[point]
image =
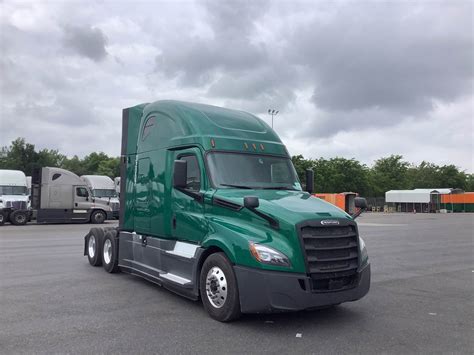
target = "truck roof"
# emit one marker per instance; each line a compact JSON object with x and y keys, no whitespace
{"x":99,"y":181}
{"x":12,"y":178}
{"x":170,"y":123}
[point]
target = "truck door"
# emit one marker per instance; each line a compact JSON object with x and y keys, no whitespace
{"x":81,"y":198}
{"x":81,"y":203}
{"x":187,"y":222}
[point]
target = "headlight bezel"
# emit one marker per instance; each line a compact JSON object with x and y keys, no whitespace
{"x":268,"y":256}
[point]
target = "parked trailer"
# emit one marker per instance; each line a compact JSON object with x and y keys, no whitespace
{"x":14,"y":199}
{"x":60,"y":196}
{"x":103,"y":189}
{"x":212,"y":209}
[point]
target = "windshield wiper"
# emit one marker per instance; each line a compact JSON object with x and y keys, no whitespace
{"x":279,"y":188}
{"x":237,"y":186}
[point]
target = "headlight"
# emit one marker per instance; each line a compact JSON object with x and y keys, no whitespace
{"x":267,"y":255}
{"x":364,"y":257}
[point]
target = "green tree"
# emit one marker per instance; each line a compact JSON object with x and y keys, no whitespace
{"x":450,"y":176}
{"x":389,"y":173}
{"x":19,"y":156}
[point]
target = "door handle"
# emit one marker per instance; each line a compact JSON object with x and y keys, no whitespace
{"x":75,"y":204}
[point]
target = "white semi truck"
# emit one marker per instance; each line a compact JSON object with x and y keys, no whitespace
{"x":14,"y":199}
{"x":103,"y":189}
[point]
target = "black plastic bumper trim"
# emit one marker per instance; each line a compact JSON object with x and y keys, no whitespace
{"x":269,"y":291}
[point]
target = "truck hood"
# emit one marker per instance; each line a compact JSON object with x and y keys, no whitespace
{"x":14,"y":198}
{"x":7,"y":200}
{"x":287,"y":205}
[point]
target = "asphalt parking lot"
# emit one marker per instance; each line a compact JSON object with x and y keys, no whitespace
{"x":421,"y":299}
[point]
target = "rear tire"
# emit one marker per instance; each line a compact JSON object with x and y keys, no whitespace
{"x":94,"y":246}
{"x":98,"y":217}
{"x":110,"y":252}
{"x":19,"y":218}
{"x":218,"y":288}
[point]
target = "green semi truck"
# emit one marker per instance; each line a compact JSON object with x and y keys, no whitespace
{"x":212,"y":209}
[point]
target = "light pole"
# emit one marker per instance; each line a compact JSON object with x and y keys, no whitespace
{"x":273,"y":113}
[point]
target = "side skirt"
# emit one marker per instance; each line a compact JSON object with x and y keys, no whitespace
{"x":168,"y":263}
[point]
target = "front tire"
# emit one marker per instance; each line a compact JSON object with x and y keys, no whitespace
{"x":110,"y":252}
{"x":2,"y":219}
{"x":218,"y":288}
{"x":98,"y":217}
{"x":19,"y":218}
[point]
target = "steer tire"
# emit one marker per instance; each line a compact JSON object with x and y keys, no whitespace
{"x":19,"y":218}
{"x":94,"y":246}
{"x":222,"y":289}
{"x":110,"y":252}
{"x":98,"y":217}
{"x":2,"y":218}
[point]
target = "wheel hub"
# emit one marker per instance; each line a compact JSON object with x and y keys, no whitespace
{"x":216,"y":287}
{"x":107,"y":251}
{"x":91,"y":246}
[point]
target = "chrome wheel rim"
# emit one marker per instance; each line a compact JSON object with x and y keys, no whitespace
{"x":20,"y":218}
{"x":216,"y":287}
{"x":107,"y":251}
{"x":91,"y":246}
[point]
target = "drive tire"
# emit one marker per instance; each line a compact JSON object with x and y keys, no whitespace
{"x":94,"y":246}
{"x":2,"y":218}
{"x":110,"y":252}
{"x":229,"y":307}
{"x":98,"y":217}
{"x":19,"y":218}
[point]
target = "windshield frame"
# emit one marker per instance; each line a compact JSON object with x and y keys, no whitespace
{"x":211,"y":177}
{"x":94,"y":195}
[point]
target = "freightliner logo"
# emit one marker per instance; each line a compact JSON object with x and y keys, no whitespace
{"x":329,"y":222}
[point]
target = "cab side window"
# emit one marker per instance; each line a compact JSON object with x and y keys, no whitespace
{"x":81,"y":192}
{"x":193,"y":177}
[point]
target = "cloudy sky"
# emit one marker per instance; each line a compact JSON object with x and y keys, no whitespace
{"x":354,"y":79}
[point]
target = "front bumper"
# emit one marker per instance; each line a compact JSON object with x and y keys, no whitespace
{"x":268,"y":291}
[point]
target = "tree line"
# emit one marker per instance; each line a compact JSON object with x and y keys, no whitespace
{"x":23,"y":156}
{"x":331,"y":175}
{"x":389,"y":173}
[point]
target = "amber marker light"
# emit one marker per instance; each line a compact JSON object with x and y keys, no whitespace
{"x":246,"y":146}
{"x":262,"y":146}
{"x":254,"y":252}
{"x":254,"y":146}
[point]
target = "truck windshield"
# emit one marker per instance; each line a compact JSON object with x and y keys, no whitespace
{"x":13,"y":190}
{"x":104,"y":193}
{"x":252,"y":171}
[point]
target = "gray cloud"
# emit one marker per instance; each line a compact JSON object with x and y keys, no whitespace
{"x":88,"y":42}
{"x":358,"y":79}
{"x":383,"y":57}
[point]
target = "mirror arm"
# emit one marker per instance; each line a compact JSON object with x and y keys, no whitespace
{"x":198,"y":196}
{"x":358,"y":213}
